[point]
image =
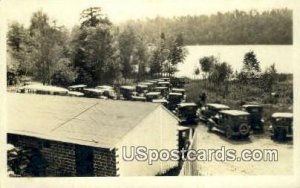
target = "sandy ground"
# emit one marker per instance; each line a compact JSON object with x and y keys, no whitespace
{"x":216,"y":139}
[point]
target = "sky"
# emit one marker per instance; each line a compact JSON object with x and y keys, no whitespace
{"x":67,"y":12}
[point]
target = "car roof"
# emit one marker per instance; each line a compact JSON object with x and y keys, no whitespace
{"x":178,"y":89}
{"x":77,"y":86}
{"x":161,"y":87}
{"x":186,"y":104}
{"x":234,"y":112}
{"x":159,"y":100}
{"x":141,"y":85}
{"x":94,"y":90}
{"x":164,"y":82}
{"x":178,"y":94}
{"x":218,"y":106}
{"x":282,"y":114}
{"x":128,"y":87}
{"x":44,"y":88}
{"x":153,"y":93}
{"x":252,"y":105}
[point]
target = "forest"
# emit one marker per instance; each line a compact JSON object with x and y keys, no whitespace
{"x":98,"y":51}
{"x":237,"y":27}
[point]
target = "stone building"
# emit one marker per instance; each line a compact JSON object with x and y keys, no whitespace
{"x":84,"y":137}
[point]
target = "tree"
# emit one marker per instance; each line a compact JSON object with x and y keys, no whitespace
{"x":93,"y":48}
{"x":141,"y":57}
{"x":64,"y":74}
{"x":127,"y":43}
{"x":177,"y":52}
{"x":269,"y":78}
{"x":250,"y":62}
{"x":220,"y":75}
{"x":207,"y":64}
{"x":92,"y":17}
{"x":196,"y":71}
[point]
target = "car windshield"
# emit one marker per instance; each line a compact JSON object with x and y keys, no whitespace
{"x":242,"y":118}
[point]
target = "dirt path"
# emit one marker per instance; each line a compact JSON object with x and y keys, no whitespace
{"x":216,"y":139}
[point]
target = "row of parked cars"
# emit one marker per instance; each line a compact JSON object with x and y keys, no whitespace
{"x":248,"y":118}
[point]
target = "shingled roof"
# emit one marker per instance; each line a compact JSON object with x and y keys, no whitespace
{"x":93,"y":122}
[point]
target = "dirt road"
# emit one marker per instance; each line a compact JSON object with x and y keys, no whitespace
{"x":216,"y":139}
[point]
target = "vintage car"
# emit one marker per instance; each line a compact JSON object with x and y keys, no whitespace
{"x":211,"y":109}
{"x":179,"y":90}
{"x":281,"y":125}
{"x":187,"y":113}
{"x":164,"y":84}
{"x":165,"y":79}
{"x":232,"y":122}
{"x":177,"y":82}
{"x":174,"y":99}
{"x":138,"y":98}
{"x":141,"y":89}
{"x":75,"y":94}
{"x":108,"y":91}
{"x":94,"y":93}
{"x":152,"y":96}
{"x":164,"y":91}
{"x":161,"y":101}
{"x":149,"y":85}
{"x":256,"y":114}
{"x":127,"y":92}
{"x":79,"y":87}
{"x":43,"y":90}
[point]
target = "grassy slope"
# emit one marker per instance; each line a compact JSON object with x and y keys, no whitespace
{"x":249,"y":94}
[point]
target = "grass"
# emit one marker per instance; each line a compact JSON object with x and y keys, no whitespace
{"x":238,"y":94}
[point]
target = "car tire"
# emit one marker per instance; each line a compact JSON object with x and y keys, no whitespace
{"x":228,"y":132}
{"x":244,"y":130}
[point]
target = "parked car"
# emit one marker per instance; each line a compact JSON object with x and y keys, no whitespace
{"x":161,"y":101}
{"x":165,"y":79}
{"x":127,"y":92}
{"x":232,"y":122}
{"x":174,"y":99}
{"x":281,"y":125}
{"x":256,"y":116}
{"x":138,"y":98}
{"x":211,"y":109}
{"x":108,"y":91}
{"x":149,"y":85}
{"x":141,"y":89}
{"x":153,"y":96}
{"x":75,"y":94}
{"x":43,"y":90}
{"x":79,"y":87}
{"x":177,"y":82}
{"x":94,"y":93}
{"x":187,"y":113}
{"x":164,"y":84}
{"x":164,"y":91}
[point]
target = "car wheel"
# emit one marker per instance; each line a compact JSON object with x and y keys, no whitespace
{"x":228,"y":132}
{"x":244,"y":130}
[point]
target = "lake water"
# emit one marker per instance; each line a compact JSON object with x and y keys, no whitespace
{"x":281,"y":55}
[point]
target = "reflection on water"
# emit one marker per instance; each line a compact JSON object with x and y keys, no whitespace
{"x":281,"y":55}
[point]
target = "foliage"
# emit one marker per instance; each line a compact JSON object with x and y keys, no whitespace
{"x":235,"y":27}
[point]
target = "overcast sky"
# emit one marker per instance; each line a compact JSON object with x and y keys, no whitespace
{"x":67,"y":12}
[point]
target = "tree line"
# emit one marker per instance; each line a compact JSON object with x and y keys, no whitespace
{"x":217,"y":74}
{"x":236,"y":27}
{"x":95,"y":52}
